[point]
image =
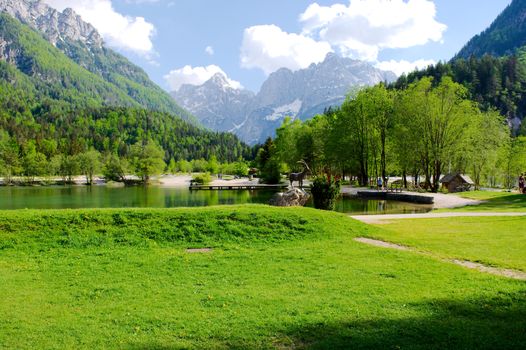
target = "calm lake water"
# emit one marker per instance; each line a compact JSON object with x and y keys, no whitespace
{"x":64,"y":197}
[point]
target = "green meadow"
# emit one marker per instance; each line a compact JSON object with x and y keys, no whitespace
{"x":493,"y":241}
{"x":494,"y":201}
{"x":274,"y":278}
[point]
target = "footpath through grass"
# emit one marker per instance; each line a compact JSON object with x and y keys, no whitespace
{"x":494,"y":241}
{"x":276,"y":278}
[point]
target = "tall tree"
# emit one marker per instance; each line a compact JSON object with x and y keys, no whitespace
{"x":89,"y":164}
{"x":147,"y":159}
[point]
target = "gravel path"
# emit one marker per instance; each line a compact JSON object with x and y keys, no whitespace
{"x":386,"y":219}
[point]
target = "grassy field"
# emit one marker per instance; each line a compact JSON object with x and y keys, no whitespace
{"x":276,"y":278}
{"x":495,"y":241}
{"x":494,"y":201}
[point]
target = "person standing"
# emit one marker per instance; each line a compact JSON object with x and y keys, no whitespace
{"x":521,"y":184}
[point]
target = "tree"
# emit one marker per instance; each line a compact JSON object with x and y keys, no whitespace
{"x":172,"y":166}
{"x":438,"y":118}
{"x":199,"y":165}
{"x":89,"y":164}
{"x":354,"y":131}
{"x":147,"y":159}
{"x":34,"y":163}
{"x":268,"y":163}
{"x":9,"y":157}
{"x":184,"y":166}
{"x":381,"y":108}
{"x":486,"y":135}
{"x":68,"y":167}
{"x":212,"y":166}
{"x":115,"y":168}
{"x":513,"y":161}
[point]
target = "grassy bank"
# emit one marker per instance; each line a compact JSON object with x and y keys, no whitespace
{"x":276,"y":278}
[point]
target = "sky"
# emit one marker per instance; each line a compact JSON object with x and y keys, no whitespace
{"x":188,"y":41}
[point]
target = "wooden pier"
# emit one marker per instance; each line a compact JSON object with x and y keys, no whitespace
{"x":237,"y":187}
{"x":402,"y":197}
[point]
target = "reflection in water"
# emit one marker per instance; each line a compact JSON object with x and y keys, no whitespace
{"x":62,"y":197}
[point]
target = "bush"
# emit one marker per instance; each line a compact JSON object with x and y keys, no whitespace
{"x":202,"y":179}
{"x":270,"y":173}
{"x":325,"y":190}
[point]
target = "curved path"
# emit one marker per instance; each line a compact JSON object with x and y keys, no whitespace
{"x":385,"y":219}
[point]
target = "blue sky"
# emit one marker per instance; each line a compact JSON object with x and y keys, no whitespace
{"x":163,"y":36}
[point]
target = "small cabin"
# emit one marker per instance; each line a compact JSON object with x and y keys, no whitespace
{"x":456,"y":182}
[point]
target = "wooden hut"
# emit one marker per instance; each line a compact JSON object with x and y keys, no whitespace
{"x":456,"y":182}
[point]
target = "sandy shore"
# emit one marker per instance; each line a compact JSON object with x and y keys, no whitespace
{"x":184,"y":181}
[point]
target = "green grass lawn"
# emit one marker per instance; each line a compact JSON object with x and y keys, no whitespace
{"x":485,"y":195}
{"x":493,"y":201}
{"x":276,"y":278}
{"x":496,"y":241}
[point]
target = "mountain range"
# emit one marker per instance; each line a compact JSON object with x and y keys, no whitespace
{"x":116,"y":80}
{"x":299,"y":94}
{"x":62,"y":91}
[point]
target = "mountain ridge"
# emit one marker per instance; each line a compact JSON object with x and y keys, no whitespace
{"x":298,"y":94}
{"x":51,"y":105}
{"x":505,"y":35}
{"x":81,"y":42}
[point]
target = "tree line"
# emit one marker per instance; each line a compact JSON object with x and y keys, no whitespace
{"x":493,"y":82}
{"x":145,"y":159}
{"x":422,"y":131}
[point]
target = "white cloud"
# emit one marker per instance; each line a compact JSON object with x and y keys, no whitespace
{"x":365,"y":27}
{"x":196,"y":76}
{"x":209,"y":50}
{"x":120,"y":31}
{"x":269,"y":48}
{"x":400,"y":67}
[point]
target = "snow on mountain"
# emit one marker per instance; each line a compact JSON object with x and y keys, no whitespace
{"x":301,"y":94}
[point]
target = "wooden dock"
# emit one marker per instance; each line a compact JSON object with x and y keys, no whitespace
{"x":402,"y":197}
{"x":237,"y":187}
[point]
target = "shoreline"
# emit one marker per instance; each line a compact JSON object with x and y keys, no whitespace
{"x":440,"y":200}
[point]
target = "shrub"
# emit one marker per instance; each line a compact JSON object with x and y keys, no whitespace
{"x":325,"y":190}
{"x":271,"y":174}
{"x":202,"y":179}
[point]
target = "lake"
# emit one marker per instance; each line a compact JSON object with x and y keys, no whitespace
{"x":68,"y":197}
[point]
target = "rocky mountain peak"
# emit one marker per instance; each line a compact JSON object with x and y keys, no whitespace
{"x":219,"y":79}
{"x":298,"y":94}
{"x":56,"y":26}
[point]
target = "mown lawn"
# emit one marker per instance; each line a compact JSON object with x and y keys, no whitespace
{"x":276,"y":278}
{"x":495,"y":241}
{"x":494,"y":201}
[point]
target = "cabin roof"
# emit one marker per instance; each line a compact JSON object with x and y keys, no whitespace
{"x":449,"y":177}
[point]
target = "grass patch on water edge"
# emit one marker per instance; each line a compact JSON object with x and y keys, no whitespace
{"x":276,"y":278}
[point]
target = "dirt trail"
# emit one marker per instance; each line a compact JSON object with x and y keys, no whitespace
{"x":515,"y":274}
{"x":386,"y":219}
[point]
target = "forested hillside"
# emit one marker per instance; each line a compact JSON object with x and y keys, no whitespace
{"x":493,"y":82}
{"x":81,"y":43}
{"x":505,"y":35}
{"x":55,"y":106}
